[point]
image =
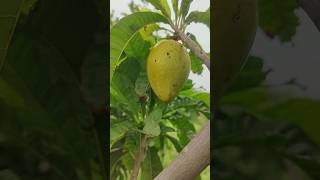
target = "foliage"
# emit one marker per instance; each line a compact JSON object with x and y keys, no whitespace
{"x":257,"y":123}
{"x":52,"y":113}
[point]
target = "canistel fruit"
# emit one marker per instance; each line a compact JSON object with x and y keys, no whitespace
{"x":233,"y":33}
{"x":168,"y":67}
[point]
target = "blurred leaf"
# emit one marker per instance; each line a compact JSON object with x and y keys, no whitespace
{"x":9,"y":14}
{"x":125,"y":29}
{"x":252,"y":75}
{"x":199,"y":17}
{"x":278,"y":18}
{"x":278,"y":107}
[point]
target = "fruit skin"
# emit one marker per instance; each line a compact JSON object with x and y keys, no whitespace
{"x":168,"y":67}
{"x":234,"y":29}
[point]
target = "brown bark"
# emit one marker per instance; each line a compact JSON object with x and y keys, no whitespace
{"x":194,"y":48}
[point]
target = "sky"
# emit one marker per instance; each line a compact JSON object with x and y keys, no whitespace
{"x":199,"y":30}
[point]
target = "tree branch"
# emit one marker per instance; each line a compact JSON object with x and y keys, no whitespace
{"x":192,"y":160}
{"x":312,"y":8}
{"x":194,"y":47}
{"x":139,"y":157}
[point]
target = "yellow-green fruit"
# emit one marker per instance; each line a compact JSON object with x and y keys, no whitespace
{"x":233,"y":33}
{"x":168,"y":67}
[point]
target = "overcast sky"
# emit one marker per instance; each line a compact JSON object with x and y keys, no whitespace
{"x":299,"y":59}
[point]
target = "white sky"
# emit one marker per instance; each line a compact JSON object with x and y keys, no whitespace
{"x":199,"y":30}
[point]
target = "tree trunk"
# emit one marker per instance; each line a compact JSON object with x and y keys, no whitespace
{"x":192,"y":160}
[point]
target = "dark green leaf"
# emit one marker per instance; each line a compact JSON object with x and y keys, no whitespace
{"x":278,"y":18}
{"x":122,"y":32}
{"x":9,"y":14}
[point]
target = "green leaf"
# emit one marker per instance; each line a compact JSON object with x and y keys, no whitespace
{"x":123,"y":85}
{"x":278,"y":18}
{"x":185,"y":5}
{"x":161,"y":5}
{"x":278,"y":106}
{"x":138,"y":49}
{"x":197,"y":95}
{"x":252,"y":75}
{"x":122,"y":32}
{"x":146,"y":169}
{"x":196,"y":64}
{"x":147,"y":31}
{"x":199,"y":17}
{"x":118,"y":131}
{"x":142,"y":84}
{"x":9,"y":15}
{"x":175,"y":5}
{"x":152,"y":127}
{"x":175,"y":143}
{"x":151,"y":166}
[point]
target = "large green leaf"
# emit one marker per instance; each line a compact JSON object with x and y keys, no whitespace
{"x":122,"y":32}
{"x":9,"y":14}
{"x":199,"y":17}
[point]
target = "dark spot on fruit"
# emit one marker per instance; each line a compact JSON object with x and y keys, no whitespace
{"x":168,"y":53}
{"x":155,"y":60}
